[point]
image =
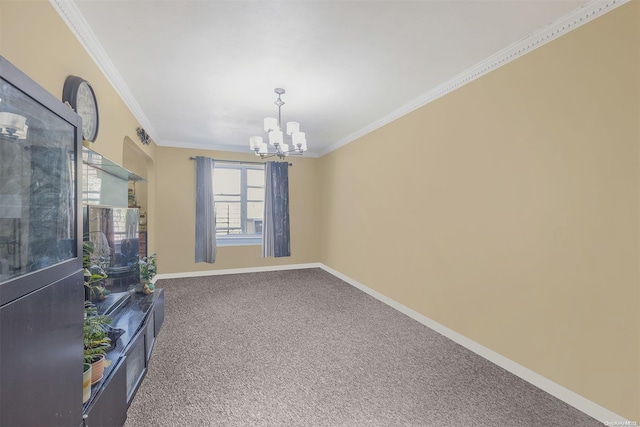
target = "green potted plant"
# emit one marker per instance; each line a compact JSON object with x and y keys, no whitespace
{"x":94,"y":274}
{"x":96,"y":341}
{"x":148,"y":268}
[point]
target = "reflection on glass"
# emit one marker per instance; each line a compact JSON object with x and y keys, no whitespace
{"x":135,"y":367}
{"x":37,"y":193}
{"x":104,"y":182}
{"x":114,"y":233}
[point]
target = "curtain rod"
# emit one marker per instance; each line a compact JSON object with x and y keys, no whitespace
{"x":238,"y":161}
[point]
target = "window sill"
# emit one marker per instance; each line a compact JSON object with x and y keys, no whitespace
{"x":238,"y":241}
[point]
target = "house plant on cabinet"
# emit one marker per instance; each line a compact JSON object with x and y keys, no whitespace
{"x":94,"y":273}
{"x":96,"y":341}
{"x":148,"y":269}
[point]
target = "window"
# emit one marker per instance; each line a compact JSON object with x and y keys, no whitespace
{"x":239,"y":198}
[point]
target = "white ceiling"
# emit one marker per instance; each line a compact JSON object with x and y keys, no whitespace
{"x":201,"y":74}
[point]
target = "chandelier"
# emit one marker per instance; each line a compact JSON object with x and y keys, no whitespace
{"x":293,"y":142}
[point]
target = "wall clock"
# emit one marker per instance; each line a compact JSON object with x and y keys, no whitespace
{"x":79,"y":94}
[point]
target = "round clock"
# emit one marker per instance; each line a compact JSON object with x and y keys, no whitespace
{"x":79,"y":94}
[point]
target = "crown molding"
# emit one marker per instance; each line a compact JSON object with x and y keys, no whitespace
{"x":573,"y":20}
{"x":71,"y":15}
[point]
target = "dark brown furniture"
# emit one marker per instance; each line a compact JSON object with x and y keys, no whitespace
{"x":141,"y":317}
{"x":41,"y":280}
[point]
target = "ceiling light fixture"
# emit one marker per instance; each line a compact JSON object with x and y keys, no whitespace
{"x":296,"y":140}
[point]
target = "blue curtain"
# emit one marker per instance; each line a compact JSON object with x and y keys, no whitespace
{"x":275,"y":233}
{"x":205,"y":211}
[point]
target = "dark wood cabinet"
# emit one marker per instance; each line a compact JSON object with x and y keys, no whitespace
{"x":41,"y":277}
{"x":110,"y":406}
{"x":41,"y":356}
{"x":141,"y":317}
{"x":136,"y":364}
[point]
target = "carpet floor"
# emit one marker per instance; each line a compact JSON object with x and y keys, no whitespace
{"x":304,"y":348}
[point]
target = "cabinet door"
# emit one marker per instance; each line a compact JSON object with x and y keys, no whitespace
{"x":41,"y":354}
{"x":136,"y":364}
{"x":110,"y":407}
{"x":40,"y":186}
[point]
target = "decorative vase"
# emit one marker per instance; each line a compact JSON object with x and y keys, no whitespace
{"x":86,"y":382}
{"x":97,"y":369}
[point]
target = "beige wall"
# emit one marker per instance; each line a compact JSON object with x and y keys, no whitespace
{"x":510,"y":211}
{"x":176,"y":214}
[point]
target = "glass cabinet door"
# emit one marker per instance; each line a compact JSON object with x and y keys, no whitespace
{"x":37,"y":191}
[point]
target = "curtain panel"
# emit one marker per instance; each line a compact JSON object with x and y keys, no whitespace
{"x":275,"y":233}
{"x":205,"y":211}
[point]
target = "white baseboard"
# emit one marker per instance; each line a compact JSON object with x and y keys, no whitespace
{"x":590,"y":408}
{"x":237,"y":271}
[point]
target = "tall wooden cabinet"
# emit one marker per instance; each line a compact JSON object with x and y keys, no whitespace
{"x":41,"y":279}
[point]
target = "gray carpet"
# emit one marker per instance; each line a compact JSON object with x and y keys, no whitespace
{"x":303,"y":348}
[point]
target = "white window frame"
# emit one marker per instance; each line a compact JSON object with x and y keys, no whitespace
{"x":240,"y":239}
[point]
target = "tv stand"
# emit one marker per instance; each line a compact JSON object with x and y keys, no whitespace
{"x":140,"y":316}
{"x":112,"y":303}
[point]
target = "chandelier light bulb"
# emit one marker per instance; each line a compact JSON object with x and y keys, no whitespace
{"x":275,"y":137}
{"x":293,"y":127}
{"x":270,"y":123}
{"x":255,"y":142}
{"x":298,"y":139}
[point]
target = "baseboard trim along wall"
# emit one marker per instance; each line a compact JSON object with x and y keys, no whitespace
{"x":571,"y":398}
{"x":237,"y":271}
